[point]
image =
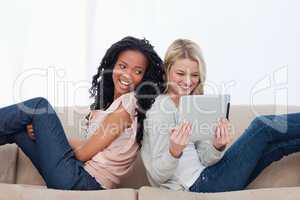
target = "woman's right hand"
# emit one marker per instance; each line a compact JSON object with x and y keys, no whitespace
{"x":179,"y":138}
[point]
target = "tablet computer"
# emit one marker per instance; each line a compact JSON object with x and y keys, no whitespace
{"x":204,"y":112}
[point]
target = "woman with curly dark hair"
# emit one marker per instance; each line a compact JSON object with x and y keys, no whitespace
{"x":128,"y":79}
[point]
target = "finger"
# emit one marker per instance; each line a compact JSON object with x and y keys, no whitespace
{"x":227,"y":136}
{"x":181,"y":129}
{"x":217,"y":133}
{"x":31,"y":135}
{"x":185,"y":128}
{"x":188,"y":129}
{"x":188,"y":135}
{"x":174,"y":130}
{"x":181,"y":133}
{"x":185,"y":132}
{"x":227,"y":133}
{"x":224,"y":122}
{"x":173,"y":133}
{"x":223,"y":134}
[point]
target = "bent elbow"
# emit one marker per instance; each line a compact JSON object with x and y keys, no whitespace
{"x":81,"y":156}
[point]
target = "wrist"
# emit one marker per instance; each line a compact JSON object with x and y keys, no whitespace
{"x":221,"y":148}
{"x":176,"y":155}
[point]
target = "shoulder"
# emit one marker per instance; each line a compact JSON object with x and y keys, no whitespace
{"x":162,"y":110}
{"x":128,"y":98}
{"x":128,"y":102}
{"x":163,"y":104}
{"x":128,"y":95}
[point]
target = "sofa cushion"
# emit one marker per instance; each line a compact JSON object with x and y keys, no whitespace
{"x":283,"y":173}
{"x":137,"y":177}
{"x":8,"y":158}
{"x":149,"y":193}
{"x":26,"y":172}
{"x":23,"y":192}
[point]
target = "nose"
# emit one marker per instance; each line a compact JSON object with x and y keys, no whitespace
{"x":127,"y":74}
{"x":188,"y":81}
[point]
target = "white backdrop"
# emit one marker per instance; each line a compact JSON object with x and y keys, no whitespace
{"x":52,"y":48}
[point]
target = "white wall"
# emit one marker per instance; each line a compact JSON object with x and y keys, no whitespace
{"x":43,"y":51}
{"x":251,"y":47}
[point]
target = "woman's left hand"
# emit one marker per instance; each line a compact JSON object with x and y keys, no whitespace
{"x":30,"y":131}
{"x":222,"y":135}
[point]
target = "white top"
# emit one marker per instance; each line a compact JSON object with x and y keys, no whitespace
{"x":163,"y":170}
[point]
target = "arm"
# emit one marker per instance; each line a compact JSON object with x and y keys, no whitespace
{"x":207,"y":153}
{"x":210,"y":152}
{"x":165,"y":149}
{"x":163,"y":164}
{"x":111,"y":127}
{"x":75,"y":142}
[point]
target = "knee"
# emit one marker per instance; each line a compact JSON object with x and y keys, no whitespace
{"x":41,"y":100}
{"x":261,"y":124}
{"x":37,"y":101}
{"x":40,"y":105}
{"x":262,"y":120}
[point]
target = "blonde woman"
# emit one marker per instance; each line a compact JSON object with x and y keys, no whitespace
{"x":174,"y":161}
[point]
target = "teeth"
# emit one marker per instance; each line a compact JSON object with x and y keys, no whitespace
{"x":186,"y":88}
{"x":124,"y":83}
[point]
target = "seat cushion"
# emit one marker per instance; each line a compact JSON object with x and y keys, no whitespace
{"x":26,"y":192}
{"x":283,"y":173}
{"x":292,"y":193}
{"x":8,"y":159}
{"x":26,"y":172}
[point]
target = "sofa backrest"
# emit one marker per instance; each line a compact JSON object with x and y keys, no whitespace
{"x":240,"y":117}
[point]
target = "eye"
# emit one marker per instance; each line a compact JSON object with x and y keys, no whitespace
{"x":137,"y":72}
{"x":122,"y":66}
{"x":180,"y":73}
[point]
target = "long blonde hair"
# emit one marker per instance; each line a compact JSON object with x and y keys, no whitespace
{"x":185,"y":49}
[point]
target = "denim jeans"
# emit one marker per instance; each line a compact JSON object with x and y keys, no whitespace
{"x":50,"y":152}
{"x":267,"y":139}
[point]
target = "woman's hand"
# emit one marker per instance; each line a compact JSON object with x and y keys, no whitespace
{"x":30,"y":131}
{"x":222,"y":135}
{"x":179,"y":138}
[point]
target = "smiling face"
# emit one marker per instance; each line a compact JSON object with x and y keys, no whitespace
{"x":183,"y":77}
{"x":128,"y":71}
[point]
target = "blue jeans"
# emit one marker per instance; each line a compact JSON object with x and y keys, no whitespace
{"x":50,"y":152}
{"x":267,"y":139}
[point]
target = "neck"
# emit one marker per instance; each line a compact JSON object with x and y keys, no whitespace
{"x":175,"y":98}
{"x":116,"y":95}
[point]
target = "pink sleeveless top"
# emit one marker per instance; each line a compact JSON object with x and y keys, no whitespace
{"x":116,"y":160}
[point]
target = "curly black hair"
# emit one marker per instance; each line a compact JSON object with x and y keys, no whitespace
{"x":151,"y":86}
